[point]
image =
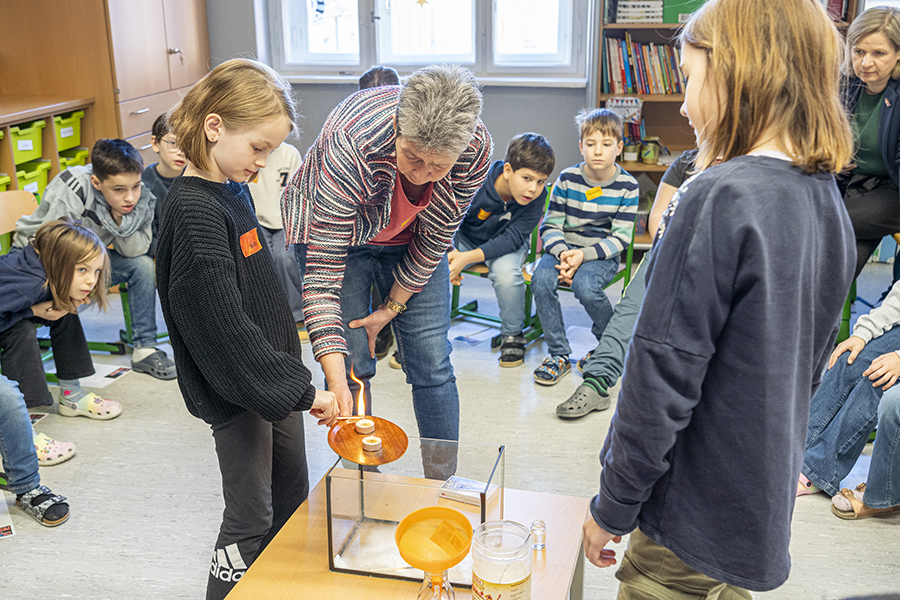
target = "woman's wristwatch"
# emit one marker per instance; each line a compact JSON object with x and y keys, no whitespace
{"x":394,"y":305}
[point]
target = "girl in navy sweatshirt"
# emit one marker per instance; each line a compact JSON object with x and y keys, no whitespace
{"x":63,"y":267}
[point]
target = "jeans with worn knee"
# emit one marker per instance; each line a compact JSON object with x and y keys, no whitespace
{"x":421,"y":336}
{"x":505,"y":273}
{"x":20,"y":460}
{"x":843,"y":413}
{"x":139,"y":272}
{"x":590,"y":279}
{"x":608,"y":360}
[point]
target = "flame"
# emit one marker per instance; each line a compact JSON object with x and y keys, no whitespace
{"x":360,"y":400}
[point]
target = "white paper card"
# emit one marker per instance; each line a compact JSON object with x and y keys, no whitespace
{"x":6,"y":526}
{"x":32,"y":187}
{"x":66,"y":132}
{"x":103,"y":375}
{"x":25,"y":145}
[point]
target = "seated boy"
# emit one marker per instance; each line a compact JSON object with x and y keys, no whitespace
{"x":588,"y":224}
{"x":266,"y":190}
{"x":107,"y":196}
{"x":497,"y":230}
{"x":159,"y":176}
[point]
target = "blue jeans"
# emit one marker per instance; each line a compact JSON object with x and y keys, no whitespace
{"x":608,"y":360}
{"x":139,"y":272}
{"x":20,"y":461}
{"x":590,"y":279}
{"x":421,"y":336}
{"x":505,"y":273}
{"x":844,"y":411}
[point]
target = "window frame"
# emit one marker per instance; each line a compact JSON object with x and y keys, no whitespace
{"x":575,"y":74}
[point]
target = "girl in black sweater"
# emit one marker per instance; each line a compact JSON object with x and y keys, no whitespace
{"x":229,"y":322}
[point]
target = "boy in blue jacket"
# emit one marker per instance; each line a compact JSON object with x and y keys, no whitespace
{"x":497,"y":228}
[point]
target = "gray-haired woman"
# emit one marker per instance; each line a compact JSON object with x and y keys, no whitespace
{"x":379,"y":197}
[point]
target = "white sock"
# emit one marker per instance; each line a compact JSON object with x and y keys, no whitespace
{"x":142,"y":353}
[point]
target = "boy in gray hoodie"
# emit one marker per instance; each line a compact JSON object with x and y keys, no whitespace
{"x":108,"y":197}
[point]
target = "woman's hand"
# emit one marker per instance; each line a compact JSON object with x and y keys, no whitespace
{"x":884,"y":371}
{"x":336,"y":377}
{"x":374,"y":323}
{"x":853,"y":343}
{"x":44,"y":310}
{"x":325,"y":408}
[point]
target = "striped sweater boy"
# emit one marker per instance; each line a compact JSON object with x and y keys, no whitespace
{"x":595,"y":216}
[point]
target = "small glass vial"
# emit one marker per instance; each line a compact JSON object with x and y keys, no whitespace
{"x":538,"y":534}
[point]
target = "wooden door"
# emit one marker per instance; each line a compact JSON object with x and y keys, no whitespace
{"x":138,"y":34}
{"x":187,"y":41}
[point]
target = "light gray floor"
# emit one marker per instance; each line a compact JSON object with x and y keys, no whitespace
{"x":146,"y":502}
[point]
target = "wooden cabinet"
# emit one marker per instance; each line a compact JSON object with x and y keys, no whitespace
{"x":134,"y":57}
{"x":660,"y":112}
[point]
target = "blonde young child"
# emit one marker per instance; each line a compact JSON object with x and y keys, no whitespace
{"x":235,"y":339}
{"x":63,"y":267}
{"x":744,"y":287}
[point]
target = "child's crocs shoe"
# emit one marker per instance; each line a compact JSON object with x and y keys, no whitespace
{"x":91,"y":406}
{"x":805,"y":486}
{"x":157,"y":364}
{"x":44,"y":506}
{"x":52,"y":452}
{"x":552,"y":370}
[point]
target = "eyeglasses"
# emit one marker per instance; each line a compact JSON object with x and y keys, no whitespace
{"x":170,"y":144}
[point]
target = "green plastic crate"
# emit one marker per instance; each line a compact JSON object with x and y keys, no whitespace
{"x":4,"y":182}
{"x":26,"y":141}
{"x":32,"y":176}
{"x":76,"y":157}
{"x":5,"y":243}
{"x":679,"y":11}
{"x":68,"y":130}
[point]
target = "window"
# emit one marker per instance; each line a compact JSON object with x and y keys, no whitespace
{"x":867,"y":4}
{"x":500,"y":40}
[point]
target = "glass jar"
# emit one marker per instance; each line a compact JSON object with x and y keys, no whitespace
{"x":501,"y":561}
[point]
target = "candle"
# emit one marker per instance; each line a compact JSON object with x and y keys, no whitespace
{"x":371,"y":443}
{"x":365,"y":426}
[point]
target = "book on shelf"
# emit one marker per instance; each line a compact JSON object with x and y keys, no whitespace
{"x":467,"y":490}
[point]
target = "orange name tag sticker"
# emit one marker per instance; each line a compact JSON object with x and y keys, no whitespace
{"x":483,"y":214}
{"x":594,"y":192}
{"x":250,"y":243}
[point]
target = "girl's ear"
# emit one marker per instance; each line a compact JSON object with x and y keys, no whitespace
{"x":212,"y":127}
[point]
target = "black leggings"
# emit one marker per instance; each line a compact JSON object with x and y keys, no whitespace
{"x":20,"y":356}
{"x":874,"y":213}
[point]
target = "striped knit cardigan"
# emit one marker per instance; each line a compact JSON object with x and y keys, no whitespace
{"x":341,"y":197}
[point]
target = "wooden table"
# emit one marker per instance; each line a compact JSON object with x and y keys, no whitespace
{"x":294,"y":566}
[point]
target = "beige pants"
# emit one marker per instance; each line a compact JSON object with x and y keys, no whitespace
{"x":652,"y":572}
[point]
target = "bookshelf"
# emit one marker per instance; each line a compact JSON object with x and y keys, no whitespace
{"x":661,"y":112}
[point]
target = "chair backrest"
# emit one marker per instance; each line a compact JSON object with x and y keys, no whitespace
{"x":13,"y":205}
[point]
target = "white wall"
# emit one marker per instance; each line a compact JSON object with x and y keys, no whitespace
{"x":237,"y":29}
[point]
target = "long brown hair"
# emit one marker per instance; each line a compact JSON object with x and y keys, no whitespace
{"x":62,"y":245}
{"x":777,"y":62}
{"x":242,"y":92}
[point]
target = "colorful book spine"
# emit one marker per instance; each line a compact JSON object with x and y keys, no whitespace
{"x":629,"y":89}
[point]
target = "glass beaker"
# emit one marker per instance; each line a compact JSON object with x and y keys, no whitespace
{"x":501,"y":561}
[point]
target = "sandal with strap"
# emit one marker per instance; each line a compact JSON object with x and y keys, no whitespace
{"x":44,"y":506}
{"x":583,"y":360}
{"x":805,"y":486}
{"x":552,"y":370}
{"x":848,"y":505}
{"x":91,"y":406}
{"x":157,"y":365}
{"x":52,"y":452}
{"x":512,"y":350}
